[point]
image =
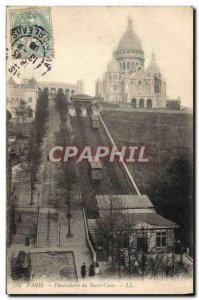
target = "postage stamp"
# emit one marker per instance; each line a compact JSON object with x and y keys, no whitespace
{"x":31,"y":33}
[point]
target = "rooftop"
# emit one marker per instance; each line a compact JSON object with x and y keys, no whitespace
{"x":123,"y":201}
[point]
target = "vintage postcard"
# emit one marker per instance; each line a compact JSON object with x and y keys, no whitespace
{"x":99,"y":106}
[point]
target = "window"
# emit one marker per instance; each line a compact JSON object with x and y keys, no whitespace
{"x":115,"y":87}
{"x":149,"y":103}
{"x":124,"y":66}
{"x":121,"y":66}
{"x":30,"y":99}
{"x":132,"y":65}
{"x":12,"y":101}
{"x":109,"y":77}
{"x":141,"y":103}
{"x":139,"y":82}
{"x":133,"y":102}
{"x":128,"y":65}
{"x":161,"y":239}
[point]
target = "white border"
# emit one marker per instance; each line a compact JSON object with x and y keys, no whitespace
{"x":3,"y":4}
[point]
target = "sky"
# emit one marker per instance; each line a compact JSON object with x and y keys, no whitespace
{"x":84,"y":39}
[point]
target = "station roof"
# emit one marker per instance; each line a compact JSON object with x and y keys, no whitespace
{"x":150,"y":218}
{"x":123,"y":201}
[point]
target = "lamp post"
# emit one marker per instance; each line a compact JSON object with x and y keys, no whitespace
{"x":69,"y":234}
{"x":58,"y":168}
{"x":38,"y":201}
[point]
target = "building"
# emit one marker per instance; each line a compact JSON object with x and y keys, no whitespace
{"x":127,"y":80}
{"x":133,"y":221}
{"x":174,"y":104}
{"x":67,"y":89}
{"x":26,"y":91}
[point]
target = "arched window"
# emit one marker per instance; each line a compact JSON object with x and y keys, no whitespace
{"x":141,"y":103}
{"x":139,"y":69}
{"x":121,"y":66}
{"x":139,"y":82}
{"x":12,"y":101}
{"x":109,"y":77}
{"x":128,"y":65}
{"x":149,"y":103}
{"x":133,"y":102}
{"x":124,"y":66}
{"x":30,"y":99}
{"x":53,"y":91}
{"x":132,"y":66}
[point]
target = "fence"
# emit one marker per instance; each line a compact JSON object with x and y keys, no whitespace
{"x":92,"y":251}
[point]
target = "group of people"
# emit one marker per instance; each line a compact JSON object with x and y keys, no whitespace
{"x":92,"y":270}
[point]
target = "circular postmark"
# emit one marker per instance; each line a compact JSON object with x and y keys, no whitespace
{"x":31,"y":34}
{"x":31,"y":42}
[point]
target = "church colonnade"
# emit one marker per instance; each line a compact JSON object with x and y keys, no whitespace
{"x":141,"y":103}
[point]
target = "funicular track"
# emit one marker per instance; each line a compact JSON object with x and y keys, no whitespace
{"x":111,"y":183}
{"x":120,"y":180}
{"x":89,"y":138}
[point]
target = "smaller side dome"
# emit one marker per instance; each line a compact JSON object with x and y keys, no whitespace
{"x":153,"y":67}
{"x":113,"y":66}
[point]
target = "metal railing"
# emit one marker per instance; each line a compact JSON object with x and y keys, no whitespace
{"x":90,"y":246}
{"x":37,"y":242}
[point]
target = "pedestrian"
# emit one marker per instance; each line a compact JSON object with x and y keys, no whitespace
{"x":97,"y":269}
{"x":83,"y":270}
{"x":92,"y":270}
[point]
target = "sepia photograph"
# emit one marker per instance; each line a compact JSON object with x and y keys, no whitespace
{"x":99,"y":150}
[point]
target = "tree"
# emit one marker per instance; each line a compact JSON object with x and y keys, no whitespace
{"x":67,"y":169}
{"x":24,"y":111}
{"x":8,"y":116}
{"x":173,"y":196}
{"x":110,"y":216}
{"x":33,"y":156}
{"x":61,"y":106}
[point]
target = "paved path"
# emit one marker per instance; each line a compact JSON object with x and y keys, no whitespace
{"x":77,"y":243}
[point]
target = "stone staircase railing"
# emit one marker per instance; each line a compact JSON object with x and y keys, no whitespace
{"x":90,"y":246}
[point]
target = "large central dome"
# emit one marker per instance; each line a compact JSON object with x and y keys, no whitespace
{"x":129,"y":40}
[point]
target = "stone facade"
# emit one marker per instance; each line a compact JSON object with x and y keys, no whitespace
{"x":26,"y":92}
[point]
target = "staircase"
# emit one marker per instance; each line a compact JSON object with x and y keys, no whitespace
{"x":48,"y":229}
